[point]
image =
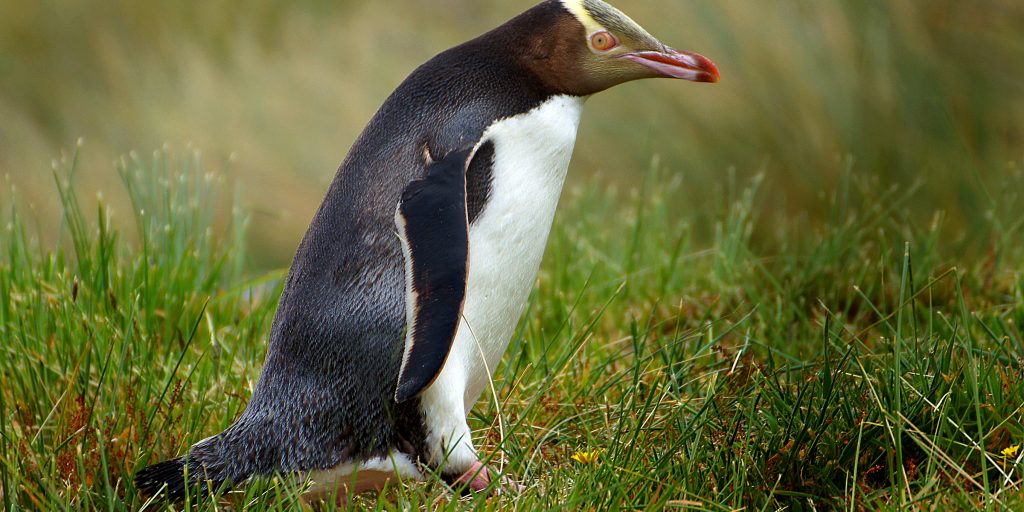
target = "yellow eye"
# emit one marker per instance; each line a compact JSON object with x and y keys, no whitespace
{"x":603,"y":41}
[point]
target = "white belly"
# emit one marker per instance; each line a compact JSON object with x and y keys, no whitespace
{"x":507,"y":240}
{"x":506,"y":244}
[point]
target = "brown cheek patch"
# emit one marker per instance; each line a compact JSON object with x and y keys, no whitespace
{"x":557,"y":56}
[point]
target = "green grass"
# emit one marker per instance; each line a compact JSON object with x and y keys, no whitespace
{"x":712,"y":360}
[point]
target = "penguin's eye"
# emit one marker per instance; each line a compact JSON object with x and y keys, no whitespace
{"x":603,"y":41}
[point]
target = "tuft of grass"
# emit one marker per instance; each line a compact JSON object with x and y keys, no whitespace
{"x":672,"y":356}
{"x":116,"y":352}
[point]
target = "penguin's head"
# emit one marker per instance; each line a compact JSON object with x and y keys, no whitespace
{"x":594,"y":46}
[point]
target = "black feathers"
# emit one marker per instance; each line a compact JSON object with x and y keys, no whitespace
{"x":478,"y":180}
{"x":167,"y":477}
{"x":171,"y":479}
{"x":433,"y":225}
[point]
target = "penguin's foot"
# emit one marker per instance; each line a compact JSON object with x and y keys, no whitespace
{"x":475,"y":479}
{"x":478,"y":478}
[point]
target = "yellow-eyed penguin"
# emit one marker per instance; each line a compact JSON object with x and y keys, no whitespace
{"x":406,"y":289}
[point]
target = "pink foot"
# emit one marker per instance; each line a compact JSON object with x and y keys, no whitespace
{"x":478,"y":477}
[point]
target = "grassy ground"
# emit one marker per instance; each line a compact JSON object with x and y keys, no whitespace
{"x":668,"y":358}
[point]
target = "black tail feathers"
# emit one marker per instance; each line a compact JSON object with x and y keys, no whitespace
{"x":167,"y":477}
{"x":171,"y":479}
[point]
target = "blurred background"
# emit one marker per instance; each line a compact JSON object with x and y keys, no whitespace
{"x":927,"y":92}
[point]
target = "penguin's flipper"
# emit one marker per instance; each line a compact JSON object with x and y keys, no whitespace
{"x":434,"y":228}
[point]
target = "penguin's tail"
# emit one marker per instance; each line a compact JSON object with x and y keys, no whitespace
{"x":172,"y":479}
{"x":167,"y":477}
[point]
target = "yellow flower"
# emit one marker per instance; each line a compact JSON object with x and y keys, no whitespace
{"x":587,"y":457}
{"x":1010,"y":451}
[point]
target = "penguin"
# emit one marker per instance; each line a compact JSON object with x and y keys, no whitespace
{"x":410,"y":280}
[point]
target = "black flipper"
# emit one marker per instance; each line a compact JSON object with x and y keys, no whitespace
{"x":434,"y":229}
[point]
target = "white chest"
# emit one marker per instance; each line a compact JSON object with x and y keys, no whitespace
{"x":506,"y":243}
{"x":507,"y":240}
